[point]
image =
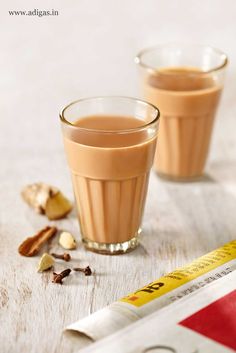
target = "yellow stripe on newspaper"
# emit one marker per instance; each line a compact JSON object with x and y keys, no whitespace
{"x":183,"y":275}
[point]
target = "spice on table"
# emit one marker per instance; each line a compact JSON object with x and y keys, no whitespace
{"x":67,"y":241}
{"x":32,"y":245}
{"x":65,"y":256}
{"x":58,"y":277}
{"x":45,"y":263}
{"x":87,"y":270}
{"x":46,"y":199}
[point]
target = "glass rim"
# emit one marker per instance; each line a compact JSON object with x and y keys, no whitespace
{"x":121,"y":131}
{"x":138,"y":59}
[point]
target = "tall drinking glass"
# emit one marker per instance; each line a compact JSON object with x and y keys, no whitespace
{"x":110,"y":144}
{"x":185,"y":82}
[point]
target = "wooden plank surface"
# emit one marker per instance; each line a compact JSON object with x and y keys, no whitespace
{"x":43,"y":68}
{"x":182,"y":222}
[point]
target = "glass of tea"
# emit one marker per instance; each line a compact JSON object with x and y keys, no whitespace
{"x":185,"y":82}
{"x":110,"y":144}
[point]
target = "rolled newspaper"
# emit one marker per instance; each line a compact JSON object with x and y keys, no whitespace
{"x":202,"y":322}
{"x":159,"y":293}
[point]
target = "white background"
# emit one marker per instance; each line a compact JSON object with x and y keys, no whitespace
{"x":89,"y":50}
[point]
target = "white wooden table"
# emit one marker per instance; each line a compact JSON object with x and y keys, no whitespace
{"x":47,"y":62}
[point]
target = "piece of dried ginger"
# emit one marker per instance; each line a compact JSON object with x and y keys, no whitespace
{"x":32,"y":245}
{"x":47,"y":199}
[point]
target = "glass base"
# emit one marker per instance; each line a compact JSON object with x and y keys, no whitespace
{"x":180,"y":179}
{"x":112,"y":248}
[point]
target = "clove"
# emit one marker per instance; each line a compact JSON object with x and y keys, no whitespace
{"x":65,"y":256}
{"x":87,"y":270}
{"x":58,"y":277}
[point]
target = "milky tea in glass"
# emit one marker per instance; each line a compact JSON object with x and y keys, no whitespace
{"x":110,"y":144}
{"x":185,"y":82}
